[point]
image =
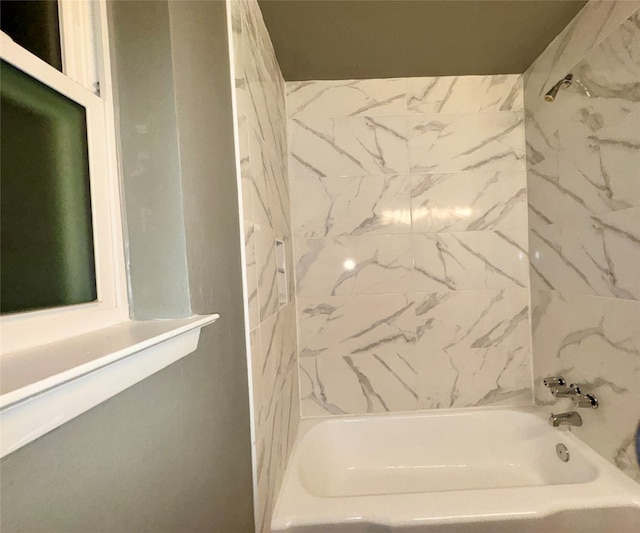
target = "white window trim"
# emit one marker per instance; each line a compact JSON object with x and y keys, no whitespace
{"x":75,"y":375}
{"x":25,"y":330}
{"x":79,"y":25}
{"x":93,"y":351}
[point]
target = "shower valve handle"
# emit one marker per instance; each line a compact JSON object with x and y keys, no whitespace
{"x":554,"y":381}
{"x":585,"y":400}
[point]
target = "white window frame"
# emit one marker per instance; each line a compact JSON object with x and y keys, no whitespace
{"x":78,"y":41}
{"x":83,"y":27}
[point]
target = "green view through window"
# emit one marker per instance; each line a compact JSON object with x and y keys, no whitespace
{"x":47,"y":256}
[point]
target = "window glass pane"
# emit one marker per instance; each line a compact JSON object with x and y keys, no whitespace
{"x":34,"y":25}
{"x":47,"y":255}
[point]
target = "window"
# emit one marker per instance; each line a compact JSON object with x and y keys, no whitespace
{"x":47,"y":255}
{"x":35,"y":26}
{"x":62,"y":255}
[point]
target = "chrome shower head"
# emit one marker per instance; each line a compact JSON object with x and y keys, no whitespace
{"x":564,"y":82}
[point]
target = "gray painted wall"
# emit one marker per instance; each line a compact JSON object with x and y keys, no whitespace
{"x":173,"y":452}
{"x":170,"y":454}
{"x":366,"y":39}
{"x":205,"y":125}
{"x":149,"y":159}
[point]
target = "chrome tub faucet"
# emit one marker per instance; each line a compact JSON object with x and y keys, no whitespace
{"x":565,"y":419}
{"x":558,"y":387}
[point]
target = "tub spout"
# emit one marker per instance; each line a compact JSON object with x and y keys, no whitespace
{"x":565,"y":419}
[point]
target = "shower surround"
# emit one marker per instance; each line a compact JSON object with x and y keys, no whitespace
{"x":262,"y":141}
{"x":406,"y":204}
{"x":583,"y":157}
{"x":410,"y":238}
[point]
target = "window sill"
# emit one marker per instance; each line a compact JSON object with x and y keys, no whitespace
{"x":41,"y":389}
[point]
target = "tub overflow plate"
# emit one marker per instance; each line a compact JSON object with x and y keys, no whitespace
{"x":562,"y":452}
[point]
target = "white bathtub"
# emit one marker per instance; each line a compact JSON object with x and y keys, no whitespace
{"x":490,"y":470}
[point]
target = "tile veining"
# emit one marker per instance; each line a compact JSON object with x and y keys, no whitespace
{"x":467,"y":142}
{"x":353,"y":146}
{"x":468,"y":201}
{"x":410,"y":194}
{"x":261,"y":126}
{"x":583,"y":177}
{"x":371,"y":205}
{"x":464,"y":94}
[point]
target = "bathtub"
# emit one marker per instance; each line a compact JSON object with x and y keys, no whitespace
{"x":464,"y":471}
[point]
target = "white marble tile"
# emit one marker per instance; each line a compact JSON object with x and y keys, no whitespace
{"x":278,"y":359}
{"x":279,"y":199}
{"x":473,"y":319}
{"x":374,"y":205}
{"x":262,"y":148}
{"x":358,"y":384}
{"x":293,"y":390}
{"x":591,"y":26}
{"x":248,"y":220}
{"x":352,"y":146}
{"x":542,"y":257}
{"x":610,"y":429}
{"x":607,"y":251}
{"x":542,"y":132}
{"x":270,"y":465}
{"x":549,"y":198}
{"x":252,"y":281}
{"x":605,"y":87}
{"x":585,"y":223}
{"x":474,"y":348}
{"x":595,"y":125}
{"x":265,"y":498}
{"x":258,"y":168}
{"x":467,"y":142}
{"x":256,"y":375}
{"x":598,"y":255}
{"x":278,"y":409}
{"x":280,"y":350}
{"x":595,"y":342}
{"x":290,"y":268}
{"x":266,"y":271}
{"x":471,"y":260}
{"x":582,"y":116}
{"x":468,"y":201}
{"x":602,"y":171}
{"x":264,"y":79}
{"x":337,"y":326}
{"x":356,"y":346}
{"x":464,"y":94}
{"x":342,"y":98}
{"x":549,"y":268}
{"x":244,"y":154}
{"x":270,"y":186}
{"x":472,"y":345}
{"x":278,"y":182}
{"x":599,"y":335}
{"x":596,"y":175}
{"x":354,"y":265}
{"x":237,"y":42}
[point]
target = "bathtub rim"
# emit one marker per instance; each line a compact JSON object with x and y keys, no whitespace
{"x":611,"y":489}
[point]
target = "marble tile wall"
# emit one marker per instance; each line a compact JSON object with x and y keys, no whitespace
{"x":410,"y":240}
{"x":261,"y":124}
{"x":583,"y":172}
